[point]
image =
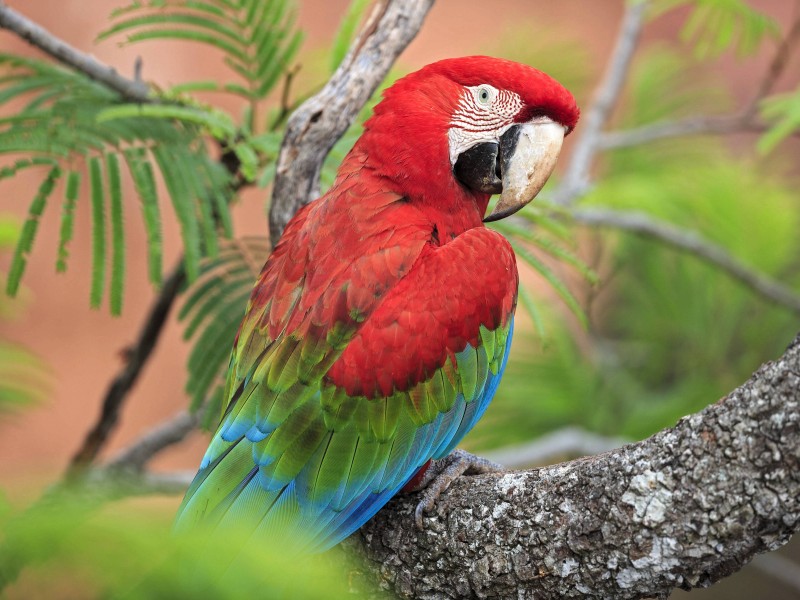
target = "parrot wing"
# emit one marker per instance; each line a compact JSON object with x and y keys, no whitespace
{"x":335,"y":402}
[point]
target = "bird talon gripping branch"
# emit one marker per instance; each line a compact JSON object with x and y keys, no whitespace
{"x":380,"y":326}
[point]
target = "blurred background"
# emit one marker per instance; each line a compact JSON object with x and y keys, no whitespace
{"x":658,"y":333}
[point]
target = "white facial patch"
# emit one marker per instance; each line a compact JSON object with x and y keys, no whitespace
{"x":483,"y":114}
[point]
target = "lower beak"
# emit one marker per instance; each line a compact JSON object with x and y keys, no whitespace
{"x":528,"y":155}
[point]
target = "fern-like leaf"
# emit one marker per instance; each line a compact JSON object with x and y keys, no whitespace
{"x":714,"y":26}
{"x":25,"y":243}
{"x":257,"y":38}
{"x":211,"y":313}
{"x":58,"y":127}
{"x":783,"y":111}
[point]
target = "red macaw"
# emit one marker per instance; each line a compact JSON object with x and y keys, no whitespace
{"x":380,"y":326}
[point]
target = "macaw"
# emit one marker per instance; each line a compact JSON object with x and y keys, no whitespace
{"x":379,"y":328}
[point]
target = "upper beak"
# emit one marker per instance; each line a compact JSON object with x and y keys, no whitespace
{"x":528,"y":155}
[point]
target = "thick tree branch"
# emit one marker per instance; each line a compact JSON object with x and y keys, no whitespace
{"x":689,"y":241}
{"x":576,"y":176}
{"x":320,"y":121}
{"x":130,"y":89}
{"x":684,"y":508}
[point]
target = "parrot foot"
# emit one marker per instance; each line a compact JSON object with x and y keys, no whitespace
{"x":441,"y":473}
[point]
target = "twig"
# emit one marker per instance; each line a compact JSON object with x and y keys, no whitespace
{"x":779,"y":567}
{"x":117,"y":484}
{"x":775,"y":69}
{"x":313,"y":128}
{"x":286,"y":106}
{"x":576,"y":176}
{"x":688,"y":241}
{"x":123,"y":382}
{"x":167,"y":433}
{"x":566,"y":442}
{"x":130,"y":89}
{"x":744,"y":120}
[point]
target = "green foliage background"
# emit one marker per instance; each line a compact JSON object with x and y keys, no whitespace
{"x":620,"y":335}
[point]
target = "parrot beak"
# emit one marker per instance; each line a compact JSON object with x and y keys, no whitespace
{"x":527,"y":156}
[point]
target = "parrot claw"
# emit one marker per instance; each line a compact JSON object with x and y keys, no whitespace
{"x":441,"y":473}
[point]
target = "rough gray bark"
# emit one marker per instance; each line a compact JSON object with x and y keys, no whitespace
{"x":314,"y":128}
{"x":684,"y":508}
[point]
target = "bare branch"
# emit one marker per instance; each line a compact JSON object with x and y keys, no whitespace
{"x":123,"y":382}
{"x":576,"y":176}
{"x":114,"y":484}
{"x":164,"y":435}
{"x":322,"y":119}
{"x":689,"y":241}
{"x":779,"y":567}
{"x":130,"y":89}
{"x":744,"y":120}
{"x":670,"y":129}
{"x":565,"y":442}
{"x":684,"y":508}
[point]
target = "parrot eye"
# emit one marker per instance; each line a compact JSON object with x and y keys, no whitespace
{"x":484,"y":95}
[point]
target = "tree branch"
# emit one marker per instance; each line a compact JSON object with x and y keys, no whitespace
{"x":130,"y":89}
{"x":164,"y":435}
{"x":125,"y":379}
{"x":744,"y":120}
{"x":689,"y":241}
{"x":576,"y":176}
{"x":565,"y":442}
{"x":684,"y":508}
{"x":320,"y":121}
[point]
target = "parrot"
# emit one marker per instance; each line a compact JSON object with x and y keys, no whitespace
{"x":379,"y":327}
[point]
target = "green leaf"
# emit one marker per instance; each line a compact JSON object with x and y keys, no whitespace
{"x":23,"y":377}
{"x":98,"y":232}
{"x":256,"y":37}
{"x":142,"y":173}
{"x":213,"y":308}
{"x":25,"y":243}
{"x":184,"y":207}
{"x":572,"y":303}
{"x":347,"y":31}
{"x":783,"y":112}
{"x":117,"y":234}
{"x":218,"y":124}
{"x":530,"y":306}
{"x":714,"y":26}
{"x":67,"y":219}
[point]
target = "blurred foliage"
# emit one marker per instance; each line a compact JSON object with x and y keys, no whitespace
{"x":72,"y":548}
{"x":668,"y":332}
{"x":23,"y":377}
{"x":715,"y":26}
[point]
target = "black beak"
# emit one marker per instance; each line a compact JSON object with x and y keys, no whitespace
{"x":481,"y":167}
{"x":516,"y":168}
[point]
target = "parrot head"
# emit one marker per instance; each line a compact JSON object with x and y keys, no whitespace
{"x":475,"y":126}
